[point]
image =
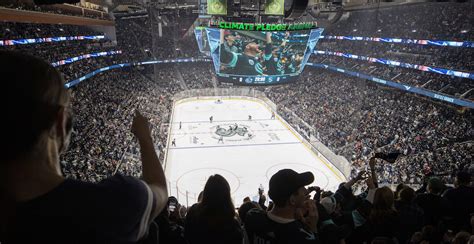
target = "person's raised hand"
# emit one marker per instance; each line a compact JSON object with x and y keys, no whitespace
{"x":312,"y":218}
{"x":311,"y":208}
{"x":360,"y":175}
{"x":299,"y":214}
{"x":314,"y":188}
{"x":140,"y":126}
{"x":372,"y":162}
{"x":370,"y":183}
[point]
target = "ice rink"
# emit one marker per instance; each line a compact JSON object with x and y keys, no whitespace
{"x":248,"y":156}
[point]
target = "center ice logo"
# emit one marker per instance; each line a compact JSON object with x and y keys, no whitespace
{"x":232,"y":131}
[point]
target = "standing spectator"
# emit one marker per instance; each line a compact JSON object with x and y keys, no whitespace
{"x":261,"y":197}
{"x":39,"y":205}
{"x":171,"y":223}
{"x":431,"y":202}
{"x":461,"y":201}
{"x":383,"y":219}
{"x":294,"y":217}
{"x":213,"y":220}
{"x":411,"y":215}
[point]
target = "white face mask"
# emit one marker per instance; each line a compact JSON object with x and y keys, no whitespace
{"x":65,"y":142}
{"x":66,"y":139}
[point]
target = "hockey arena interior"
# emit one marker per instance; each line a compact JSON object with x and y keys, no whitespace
{"x":237,"y":121}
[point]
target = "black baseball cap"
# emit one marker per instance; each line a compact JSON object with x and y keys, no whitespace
{"x":286,"y":182}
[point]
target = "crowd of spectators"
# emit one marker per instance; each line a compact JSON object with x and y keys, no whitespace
{"x":80,"y":11}
{"x":348,"y":115}
{"x":197,"y":75}
{"x":134,"y":35}
{"x":137,"y":35}
{"x":431,"y":21}
{"x":431,"y":213}
{"x":102,"y":146}
{"x":427,"y":20}
{"x":102,"y":143}
{"x":455,"y":58}
{"x":64,"y":49}
{"x":103,"y":111}
{"x":354,"y":118}
{"x":16,"y":30}
{"x":299,"y":212}
{"x":450,"y":85}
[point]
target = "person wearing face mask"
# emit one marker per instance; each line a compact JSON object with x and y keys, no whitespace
{"x":37,"y":203}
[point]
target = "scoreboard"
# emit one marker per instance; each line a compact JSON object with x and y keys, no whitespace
{"x":257,"y":80}
{"x":258,"y":54}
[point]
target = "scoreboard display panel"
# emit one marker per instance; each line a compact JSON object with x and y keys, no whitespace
{"x":261,"y":53}
{"x":255,"y":57}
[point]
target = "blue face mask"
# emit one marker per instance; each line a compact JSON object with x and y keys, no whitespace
{"x":358,"y":219}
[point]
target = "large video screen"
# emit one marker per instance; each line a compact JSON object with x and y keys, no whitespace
{"x":202,"y":40}
{"x":256,"y":53}
{"x":257,"y":57}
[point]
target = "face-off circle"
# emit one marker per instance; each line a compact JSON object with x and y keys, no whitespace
{"x":232,"y":132}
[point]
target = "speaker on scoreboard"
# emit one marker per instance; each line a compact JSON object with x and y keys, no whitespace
{"x":217,"y":7}
{"x":274,"y":7}
{"x":298,"y":7}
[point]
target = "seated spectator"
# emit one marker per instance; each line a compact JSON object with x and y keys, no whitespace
{"x":39,"y":205}
{"x":461,"y":201}
{"x":213,"y":220}
{"x":294,"y":217}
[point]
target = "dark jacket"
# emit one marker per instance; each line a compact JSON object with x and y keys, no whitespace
{"x":200,"y":228}
{"x":261,"y":229}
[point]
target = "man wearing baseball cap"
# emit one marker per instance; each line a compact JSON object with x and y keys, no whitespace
{"x":294,"y":217}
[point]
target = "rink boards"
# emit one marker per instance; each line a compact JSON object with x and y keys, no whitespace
{"x":247,"y":152}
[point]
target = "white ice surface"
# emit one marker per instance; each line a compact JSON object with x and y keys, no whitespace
{"x":244,"y":162}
